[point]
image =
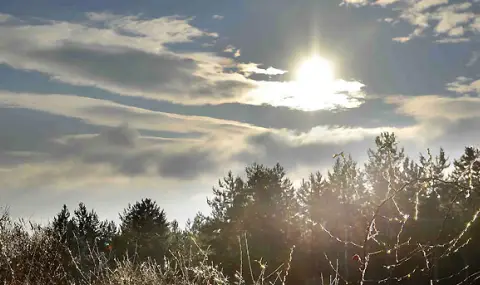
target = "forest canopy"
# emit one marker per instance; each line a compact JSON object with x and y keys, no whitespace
{"x":394,"y":219}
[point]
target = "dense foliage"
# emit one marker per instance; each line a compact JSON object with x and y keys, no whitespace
{"x":394,"y":220}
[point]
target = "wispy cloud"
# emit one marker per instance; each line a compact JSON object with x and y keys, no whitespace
{"x":233,"y":50}
{"x":434,"y":106}
{"x":250,"y":68}
{"x":147,"y":144}
{"x":464,"y":85}
{"x":385,"y":2}
{"x":473,"y":59}
{"x":127,"y":150}
{"x":4,"y":17}
{"x":443,"y":18}
{"x":355,"y":2}
{"x":230,"y":49}
{"x":132,"y":58}
{"x":106,"y":113}
{"x":452,"y":40}
{"x":440,"y":119}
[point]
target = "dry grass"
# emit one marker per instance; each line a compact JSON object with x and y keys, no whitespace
{"x":31,"y":255}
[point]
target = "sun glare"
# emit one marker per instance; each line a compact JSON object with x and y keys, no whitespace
{"x":314,"y":87}
{"x":314,"y":84}
{"x":315,"y":71}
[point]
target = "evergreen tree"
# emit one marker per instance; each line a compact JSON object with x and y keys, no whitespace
{"x":349,"y":212}
{"x":383,"y":169}
{"x":315,"y":201}
{"x":466,"y":203}
{"x":63,"y":226}
{"x":87,"y":226}
{"x":263,"y":207}
{"x":144,"y":231}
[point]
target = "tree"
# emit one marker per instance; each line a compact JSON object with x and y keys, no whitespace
{"x":383,"y":169}
{"x":144,"y":231}
{"x":87,"y":226}
{"x":258,"y":208}
{"x":84,"y":237}
{"x":316,"y":201}
{"x":63,"y":226}
{"x":466,"y":204}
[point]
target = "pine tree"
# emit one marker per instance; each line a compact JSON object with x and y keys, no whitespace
{"x":87,"y":226}
{"x":262,"y":207}
{"x":315,"y":200}
{"x":144,"y":231}
{"x":63,"y":226}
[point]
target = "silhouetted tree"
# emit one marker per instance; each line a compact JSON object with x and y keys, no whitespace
{"x":144,"y":231}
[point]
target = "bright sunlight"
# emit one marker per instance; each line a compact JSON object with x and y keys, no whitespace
{"x":314,"y":72}
{"x":314,"y":87}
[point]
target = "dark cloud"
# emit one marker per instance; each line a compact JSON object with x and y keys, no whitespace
{"x":125,"y":70}
{"x":31,"y":137}
{"x":120,"y":148}
{"x":270,"y":148}
{"x":121,"y":136}
{"x":187,"y":165}
{"x":222,"y":89}
{"x":128,"y":68}
{"x":31,"y":130}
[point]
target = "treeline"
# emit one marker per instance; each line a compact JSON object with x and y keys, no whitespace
{"x":394,"y":220}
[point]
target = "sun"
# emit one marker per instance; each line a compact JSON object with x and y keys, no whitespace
{"x":315,"y":72}
{"x":314,"y":86}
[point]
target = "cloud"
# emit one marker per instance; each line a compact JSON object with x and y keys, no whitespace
{"x":401,"y":39}
{"x":443,"y":18}
{"x":314,"y":148}
{"x":132,"y":58}
{"x":475,"y":57}
{"x":135,"y":58}
{"x":230,"y":49}
{"x":233,"y":50}
{"x":122,"y":149}
{"x":4,"y":18}
{"x":250,"y":68}
{"x":385,"y":2}
{"x":450,"y":17}
{"x":452,"y":40}
{"x":355,"y":2}
{"x":78,"y":139}
{"x":105,"y":113}
{"x":114,"y":152}
{"x":338,"y":94}
{"x":168,"y":29}
{"x":437,"y":107}
{"x":149,"y":145}
{"x":464,"y":85}
{"x":423,"y":5}
{"x":476,"y":25}
{"x":441,"y":120}
{"x":458,"y":31}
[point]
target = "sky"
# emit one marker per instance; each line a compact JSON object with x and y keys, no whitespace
{"x":108,"y":102}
